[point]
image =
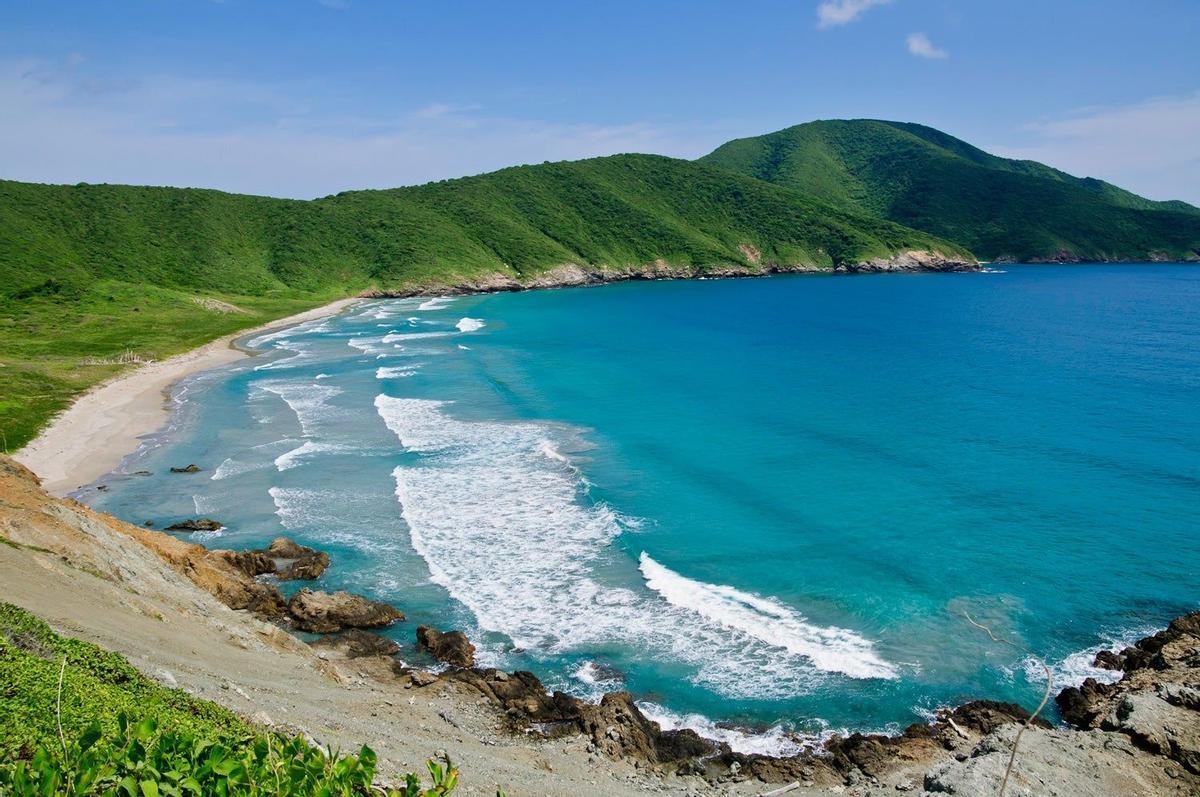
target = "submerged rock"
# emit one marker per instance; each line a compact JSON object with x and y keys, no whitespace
{"x":452,"y":647}
{"x":199,"y":524}
{"x":192,"y":468}
{"x":329,"y":612}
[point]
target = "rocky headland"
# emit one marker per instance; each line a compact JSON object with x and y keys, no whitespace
{"x":200,"y":618}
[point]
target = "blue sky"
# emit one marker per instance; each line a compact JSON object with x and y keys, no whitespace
{"x":308,"y":97}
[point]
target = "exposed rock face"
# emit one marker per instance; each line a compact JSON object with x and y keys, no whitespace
{"x":193,"y":468}
{"x":911,"y":261}
{"x":294,"y":561}
{"x":1058,"y":764}
{"x":617,"y":727}
{"x":520,"y":695}
{"x":1156,"y":704}
{"x":572,"y":274}
{"x":329,"y":612}
{"x":452,"y":647}
{"x":252,"y":563}
{"x":357,"y":644}
{"x":197,"y":524}
{"x":283,"y":558}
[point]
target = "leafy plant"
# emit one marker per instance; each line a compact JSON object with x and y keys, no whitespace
{"x":140,"y":761}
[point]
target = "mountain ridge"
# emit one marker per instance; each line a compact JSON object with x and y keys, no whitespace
{"x":999,"y":208}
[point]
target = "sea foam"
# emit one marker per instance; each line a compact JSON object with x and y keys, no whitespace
{"x":494,"y":510}
{"x":469,"y":324}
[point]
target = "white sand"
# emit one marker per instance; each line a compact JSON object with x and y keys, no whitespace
{"x":105,"y":424}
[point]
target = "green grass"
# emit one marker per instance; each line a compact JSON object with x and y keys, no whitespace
{"x":925,"y":179}
{"x":79,"y":738}
{"x":91,"y":272}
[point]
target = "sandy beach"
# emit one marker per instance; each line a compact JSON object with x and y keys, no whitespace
{"x":105,"y":424}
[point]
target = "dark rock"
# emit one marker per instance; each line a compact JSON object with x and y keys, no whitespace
{"x":200,"y":524}
{"x":252,"y":563}
{"x":985,"y":716}
{"x":296,"y":561}
{"x":452,"y":647}
{"x":1083,"y":705}
{"x":520,"y":694}
{"x":618,"y":728}
{"x":326,"y":612}
{"x":193,"y":468}
{"x":357,"y":644}
{"x":1147,"y":653}
{"x":148,"y":524}
{"x":1108,"y":660}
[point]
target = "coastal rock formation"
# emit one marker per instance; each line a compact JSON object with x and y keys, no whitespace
{"x":910,"y":261}
{"x":294,"y":561}
{"x":283,"y":558}
{"x":573,"y":274}
{"x":452,"y":647}
{"x":357,"y":644}
{"x":618,"y":728}
{"x":329,"y":612}
{"x":1156,"y":704}
{"x":1057,"y":764}
{"x":192,"y":468}
{"x":196,"y":524}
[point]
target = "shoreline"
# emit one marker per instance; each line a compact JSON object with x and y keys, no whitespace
{"x":107,"y":422}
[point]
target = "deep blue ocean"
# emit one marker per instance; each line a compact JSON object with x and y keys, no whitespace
{"x":765,"y":506}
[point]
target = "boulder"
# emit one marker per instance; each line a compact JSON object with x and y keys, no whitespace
{"x":252,"y":563}
{"x":295,"y":561}
{"x":452,"y":647}
{"x":329,"y":612}
{"x":618,"y":728}
{"x":192,"y":468}
{"x":357,"y":644}
{"x":198,"y":524}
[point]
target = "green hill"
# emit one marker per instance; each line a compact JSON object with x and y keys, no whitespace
{"x":94,"y":274}
{"x":998,"y":208}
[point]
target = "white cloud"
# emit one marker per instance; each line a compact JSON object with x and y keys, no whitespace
{"x":832,"y":13}
{"x":920,"y":46}
{"x":1151,"y":148}
{"x":66,"y":127}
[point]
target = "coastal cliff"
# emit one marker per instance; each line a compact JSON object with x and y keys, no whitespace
{"x":570,"y":275}
{"x":190,"y":616}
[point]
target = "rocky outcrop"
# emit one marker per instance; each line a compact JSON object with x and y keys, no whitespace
{"x":451,"y":647}
{"x":192,"y":468}
{"x":573,"y":274}
{"x":357,"y":644}
{"x":618,"y":728}
{"x":283,"y":558}
{"x":294,"y":561}
{"x":329,"y":612}
{"x":910,"y":261}
{"x":196,"y":524}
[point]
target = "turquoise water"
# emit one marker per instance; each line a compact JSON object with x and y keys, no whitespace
{"x":763,"y":503}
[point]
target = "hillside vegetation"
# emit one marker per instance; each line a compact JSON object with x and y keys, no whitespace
{"x":90,"y":274}
{"x":997,"y":208}
{"x":76,"y":719}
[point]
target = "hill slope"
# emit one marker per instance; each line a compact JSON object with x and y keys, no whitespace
{"x":998,"y":208}
{"x":91,"y":272}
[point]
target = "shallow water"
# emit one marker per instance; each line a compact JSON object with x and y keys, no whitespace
{"x":768,"y":502}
